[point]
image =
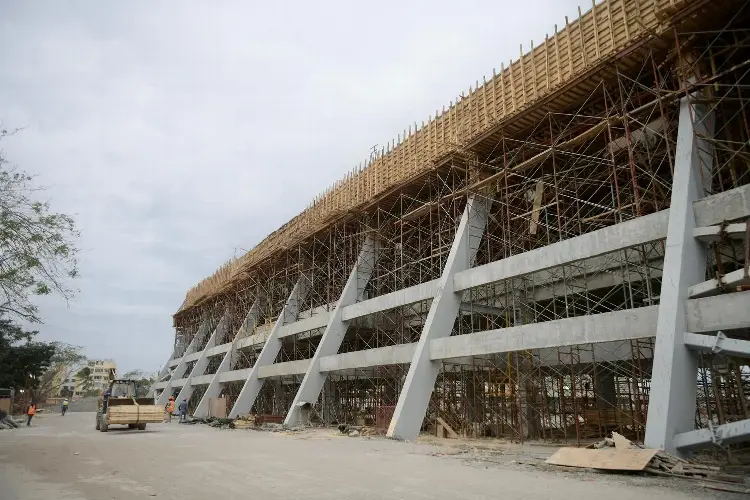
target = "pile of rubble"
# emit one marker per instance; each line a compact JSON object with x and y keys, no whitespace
{"x":6,"y":422}
{"x":359,"y":430}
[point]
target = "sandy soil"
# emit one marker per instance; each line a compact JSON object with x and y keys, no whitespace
{"x":64,"y":458}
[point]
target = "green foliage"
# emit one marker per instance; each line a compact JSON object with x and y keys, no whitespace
{"x":23,"y":360}
{"x":66,"y":360}
{"x":37,"y":247}
{"x":85,"y":377}
{"x":143,"y":381}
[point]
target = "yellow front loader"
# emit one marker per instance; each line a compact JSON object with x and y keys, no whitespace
{"x":122,"y":407}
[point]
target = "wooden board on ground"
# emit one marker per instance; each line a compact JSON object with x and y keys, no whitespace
{"x":447,"y":428}
{"x":607,"y":458}
{"x":217,"y":407}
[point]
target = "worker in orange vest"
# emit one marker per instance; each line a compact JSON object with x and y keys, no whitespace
{"x":169,"y":409}
{"x":30,"y":412}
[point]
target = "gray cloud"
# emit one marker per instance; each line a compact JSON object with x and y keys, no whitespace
{"x":180,"y":132}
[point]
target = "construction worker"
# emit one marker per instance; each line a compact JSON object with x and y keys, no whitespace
{"x":64,"y":406}
{"x":169,"y":409}
{"x":183,"y":408}
{"x":30,"y":412}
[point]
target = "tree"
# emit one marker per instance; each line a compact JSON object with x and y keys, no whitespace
{"x":143,"y":381}
{"x":37,"y":246}
{"x":66,"y":360}
{"x":85,"y":380}
{"x":23,"y":361}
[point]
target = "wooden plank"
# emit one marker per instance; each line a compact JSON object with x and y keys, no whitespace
{"x":607,"y":458}
{"x":451,"y":433}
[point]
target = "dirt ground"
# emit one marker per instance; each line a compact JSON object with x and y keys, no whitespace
{"x":64,"y":458}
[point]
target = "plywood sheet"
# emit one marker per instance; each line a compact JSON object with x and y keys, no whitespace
{"x":607,"y":458}
{"x":217,"y":407}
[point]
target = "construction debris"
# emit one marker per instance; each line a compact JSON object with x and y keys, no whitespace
{"x":7,"y":422}
{"x":619,"y":453}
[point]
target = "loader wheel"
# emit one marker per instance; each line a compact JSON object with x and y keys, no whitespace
{"x":103,"y":424}
{"x":141,"y":427}
{"x":132,"y":426}
{"x":97,"y":421}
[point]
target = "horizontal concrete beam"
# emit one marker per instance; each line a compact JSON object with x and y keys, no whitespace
{"x":380,"y":356}
{"x":219,"y":349}
{"x":403,"y":297}
{"x":234,"y":375}
{"x":303,"y":325}
{"x":722,"y":312}
{"x":174,"y":362}
{"x":179,"y":382}
{"x":280,"y":369}
{"x":201,"y":379}
{"x":192,"y":356}
{"x":609,"y":239}
{"x":727,"y":206}
{"x":618,"y":325}
{"x":160,"y":385}
{"x":709,"y":234}
{"x":724,"y":434}
{"x":729,"y":281}
{"x":718,"y":343}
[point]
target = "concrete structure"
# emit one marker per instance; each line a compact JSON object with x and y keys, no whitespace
{"x":575,"y":261}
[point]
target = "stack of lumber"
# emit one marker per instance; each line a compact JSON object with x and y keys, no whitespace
{"x":134,"y":414}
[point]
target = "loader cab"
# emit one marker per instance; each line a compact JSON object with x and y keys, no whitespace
{"x":122,"y":389}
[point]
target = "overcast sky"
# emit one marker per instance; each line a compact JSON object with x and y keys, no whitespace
{"x":182,"y":133}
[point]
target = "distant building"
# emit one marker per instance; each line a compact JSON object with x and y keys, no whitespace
{"x":100,"y":373}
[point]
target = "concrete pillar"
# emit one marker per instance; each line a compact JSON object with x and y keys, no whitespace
{"x":182,"y":365}
{"x":420,"y":380}
{"x":227,"y":363}
{"x":312,"y":384}
{"x":271,"y":348}
{"x":199,"y":368}
{"x":671,"y":407}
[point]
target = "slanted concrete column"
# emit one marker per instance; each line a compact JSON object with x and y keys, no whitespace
{"x":312,"y":384}
{"x":201,"y":363}
{"x":271,"y":348}
{"x":182,"y":365}
{"x":671,"y":408}
{"x":229,"y":360}
{"x":420,"y":380}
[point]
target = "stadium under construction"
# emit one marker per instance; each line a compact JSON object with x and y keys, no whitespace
{"x":560,"y":252}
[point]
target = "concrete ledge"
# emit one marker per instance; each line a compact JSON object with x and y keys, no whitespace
{"x":160,"y":385}
{"x":720,"y":343}
{"x":722,"y":312}
{"x":234,"y":375}
{"x":219,"y":349}
{"x":609,"y":239}
{"x":180,"y":382}
{"x":715,"y":233}
{"x":734,"y":432}
{"x":727,"y":206}
{"x":713,"y":287}
{"x":618,"y":325}
{"x":390,"y":355}
{"x":405,"y":296}
{"x":288,"y":368}
{"x":303,"y":325}
{"x":201,"y":379}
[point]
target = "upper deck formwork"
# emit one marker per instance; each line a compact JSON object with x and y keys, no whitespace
{"x":558,"y":74}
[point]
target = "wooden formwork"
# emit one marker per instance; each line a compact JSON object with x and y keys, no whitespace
{"x":605,"y":35}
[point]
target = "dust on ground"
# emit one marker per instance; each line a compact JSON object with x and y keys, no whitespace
{"x":64,"y":458}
